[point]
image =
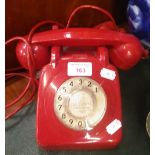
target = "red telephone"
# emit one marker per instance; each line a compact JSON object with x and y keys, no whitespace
{"x":79,"y":101}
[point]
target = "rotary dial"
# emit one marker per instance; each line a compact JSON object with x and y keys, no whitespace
{"x":80,"y":103}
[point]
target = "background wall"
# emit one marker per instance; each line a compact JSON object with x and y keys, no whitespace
{"x":21,"y":15}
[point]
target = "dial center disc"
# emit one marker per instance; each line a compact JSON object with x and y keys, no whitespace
{"x":80,"y":104}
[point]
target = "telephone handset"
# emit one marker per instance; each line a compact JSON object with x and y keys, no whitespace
{"x":79,"y":101}
{"x":125,"y":50}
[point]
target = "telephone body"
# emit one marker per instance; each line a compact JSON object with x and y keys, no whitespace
{"x":76,"y":107}
{"x":79,"y":100}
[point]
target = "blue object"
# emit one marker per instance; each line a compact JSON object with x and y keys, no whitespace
{"x":139,"y":18}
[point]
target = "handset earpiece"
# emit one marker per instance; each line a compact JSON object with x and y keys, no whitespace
{"x":41,"y":55}
{"x":41,"y":52}
{"x":127,"y":55}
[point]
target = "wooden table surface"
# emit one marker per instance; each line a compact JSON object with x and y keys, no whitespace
{"x":13,"y":88}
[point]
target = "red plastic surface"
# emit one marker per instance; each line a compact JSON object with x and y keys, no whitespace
{"x":51,"y":133}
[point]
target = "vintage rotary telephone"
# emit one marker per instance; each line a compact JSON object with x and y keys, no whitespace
{"x":79,"y":101}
